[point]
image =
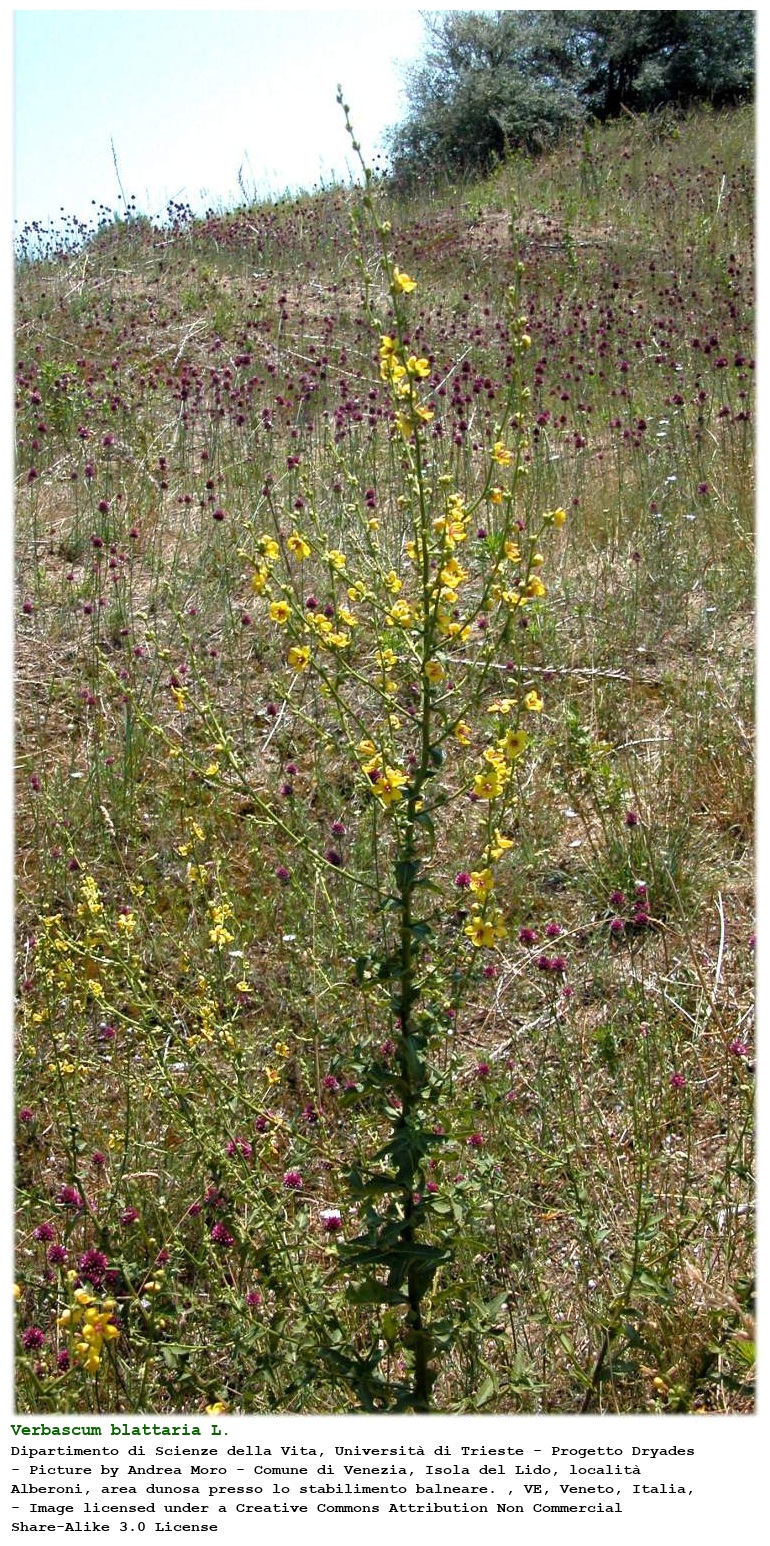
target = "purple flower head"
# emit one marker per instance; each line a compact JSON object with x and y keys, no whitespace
{"x":617,"y":926}
{"x":553,"y":930}
{"x":617,"y":899}
{"x":483,"y":1070}
{"x":739,"y":1049}
{"x":130,"y":1216}
{"x":463,"y":880}
{"x":631,"y":819}
{"x":528,"y":936}
{"x":292,"y":1179}
{"x":32,"y":1339}
{"x":220,"y":1235}
{"x":331,"y":1220}
{"x":254,"y":1299}
{"x":677,"y":1081}
{"x":44,"y":1232}
{"x":57,"y":1255}
{"x":92,"y":1266}
{"x":69,"y":1197}
{"x":240,"y":1146}
{"x":282,"y":873}
{"x":26,"y":1116}
{"x":476,"y":1141}
{"x":338,"y":829}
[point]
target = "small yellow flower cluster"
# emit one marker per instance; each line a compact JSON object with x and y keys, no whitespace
{"x":218,"y":933}
{"x":386,"y":782}
{"x":402,"y":371}
{"x":92,"y":900}
{"x":452,"y":526}
{"x":89,"y":1323}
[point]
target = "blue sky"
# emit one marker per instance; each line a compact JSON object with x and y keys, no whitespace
{"x":189,"y":97}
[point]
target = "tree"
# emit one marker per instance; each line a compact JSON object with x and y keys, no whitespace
{"x":488,"y":82}
{"x":493,"y":81}
{"x":645,"y":59}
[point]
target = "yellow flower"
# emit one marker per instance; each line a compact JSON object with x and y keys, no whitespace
{"x":391,"y":369}
{"x":434,"y":671}
{"x":533,"y":703}
{"x":259,"y":580}
{"x":500,"y":845}
{"x":402,"y":282}
{"x":298,"y":546}
{"x":269,"y":547}
{"x":485,"y":931}
{"x":282,"y":1049}
{"x":271,"y":1076}
{"x":336,"y":559}
{"x":279,"y":612}
{"x":220,"y":936}
{"x":217,"y":1408}
{"x":212,"y":770}
{"x":513,"y":743}
{"x":405,"y":422}
{"x":392,"y":582}
{"x":495,"y":496}
{"x":401,"y":613}
{"x":463,"y":732}
{"x":453,"y":573}
{"x":512,"y":551}
{"x":487,"y":785}
{"x":419,"y":368}
{"x":389,"y":785}
{"x":298,"y":657}
{"x":534,"y":588}
{"x":501,"y":454}
{"x":482,"y":882}
{"x":558,"y":517}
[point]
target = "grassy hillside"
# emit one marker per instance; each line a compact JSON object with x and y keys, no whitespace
{"x":385,"y":792}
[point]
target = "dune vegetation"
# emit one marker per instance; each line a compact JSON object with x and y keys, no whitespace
{"x":384,"y":693}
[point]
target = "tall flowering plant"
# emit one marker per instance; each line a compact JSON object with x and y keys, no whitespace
{"x":391,"y":634}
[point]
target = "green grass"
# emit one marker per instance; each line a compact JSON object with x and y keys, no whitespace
{"x":600,"y":1232}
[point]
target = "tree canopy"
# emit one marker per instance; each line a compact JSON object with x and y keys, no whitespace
{"x":491,"y":81}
